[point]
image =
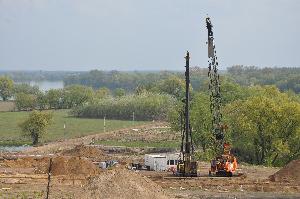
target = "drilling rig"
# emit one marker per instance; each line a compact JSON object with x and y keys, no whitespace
{"x":224,"y":164}
{"x":187,"y":166}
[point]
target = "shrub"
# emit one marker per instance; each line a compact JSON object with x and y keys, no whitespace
{"x":147,"y":106}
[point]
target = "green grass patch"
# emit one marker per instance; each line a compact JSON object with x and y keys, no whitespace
{"x":10,"y":132}
{"x":160,"y":144}
{"x":21,"y":142}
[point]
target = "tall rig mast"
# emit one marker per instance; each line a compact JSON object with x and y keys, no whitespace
{"x":187,"y":166}
{"x":225,"y":163}
{"x":187,"y":127}
{"x":215,"y":91}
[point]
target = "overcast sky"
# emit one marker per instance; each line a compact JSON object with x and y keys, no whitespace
{"x":146,"y":34}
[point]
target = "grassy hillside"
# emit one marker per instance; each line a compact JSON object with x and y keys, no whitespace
{"x":10,"y":133}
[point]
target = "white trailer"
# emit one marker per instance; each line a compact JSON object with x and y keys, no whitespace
{"x":155,"y":162}
{"x":161,"y":162}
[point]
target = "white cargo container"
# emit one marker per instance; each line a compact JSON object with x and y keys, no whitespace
{"x":161,"y":162}
{"x":156,"y":162}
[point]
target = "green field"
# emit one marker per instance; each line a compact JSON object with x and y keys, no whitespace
{"x":10,"y":133}
{"x":160,"y":144}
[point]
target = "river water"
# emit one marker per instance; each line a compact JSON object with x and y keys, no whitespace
{"x":14,"y":148}
{"x":46,"y":85}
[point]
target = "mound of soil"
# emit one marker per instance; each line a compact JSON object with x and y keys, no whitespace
{"x":62,"y":165}
{"x":122,"y":183}
{"x":84,"y":151}
{"x":39,"y":165}
{"x":73,"y":166}
{"x":289,"y":173}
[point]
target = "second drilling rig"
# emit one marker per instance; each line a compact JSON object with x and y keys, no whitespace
{"x":225,"y":163}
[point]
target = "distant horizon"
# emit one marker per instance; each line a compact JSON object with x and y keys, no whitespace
{"x":133,"y":70}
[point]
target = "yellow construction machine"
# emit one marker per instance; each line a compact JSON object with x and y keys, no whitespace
{"x":187,"y":166}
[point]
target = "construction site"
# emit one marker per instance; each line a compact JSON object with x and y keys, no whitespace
{"x":85,"y":167}
{"x":77,"y":168}
{"x":74,"y":171}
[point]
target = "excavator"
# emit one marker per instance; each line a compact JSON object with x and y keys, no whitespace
{"x":225,"y":163}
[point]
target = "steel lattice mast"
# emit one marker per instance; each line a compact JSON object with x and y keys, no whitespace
{"x":187,"y":165}
{"x":215,"y":91}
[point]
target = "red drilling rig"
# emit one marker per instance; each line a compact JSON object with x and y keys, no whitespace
{"x":225,"y":163}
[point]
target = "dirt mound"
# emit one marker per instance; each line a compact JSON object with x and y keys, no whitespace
{"x":122,"y":183}
{"x":289,"y":173}
{"x":73,"y":166}
{"x":62,"y":165}
{"x":84,"y":151}
{"x":39,"y":165}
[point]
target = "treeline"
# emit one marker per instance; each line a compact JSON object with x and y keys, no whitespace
{"x":66,"y":98}
{"x":144,"y":106}
{"x":27,"y":76}
{"x":131,"y":80}
{"x":27,"y":97}
{"x":146,"y":103}
{"x":283,"y":78}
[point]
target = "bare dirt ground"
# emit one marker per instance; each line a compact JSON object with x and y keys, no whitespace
{"x":253,"y":184}
{"x":7,"y":106}
{"x":75,"y":173}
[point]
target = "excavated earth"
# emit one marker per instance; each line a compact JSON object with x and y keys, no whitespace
{"x":288,"y":174}
{"x":61,"y":165}
{"x":75,"y":173}
{"x":123,"y":184}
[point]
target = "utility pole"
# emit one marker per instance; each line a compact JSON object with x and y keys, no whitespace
{"x":65,"y":130}
{"x":104,"y":124}
{"x":133,"y":118}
